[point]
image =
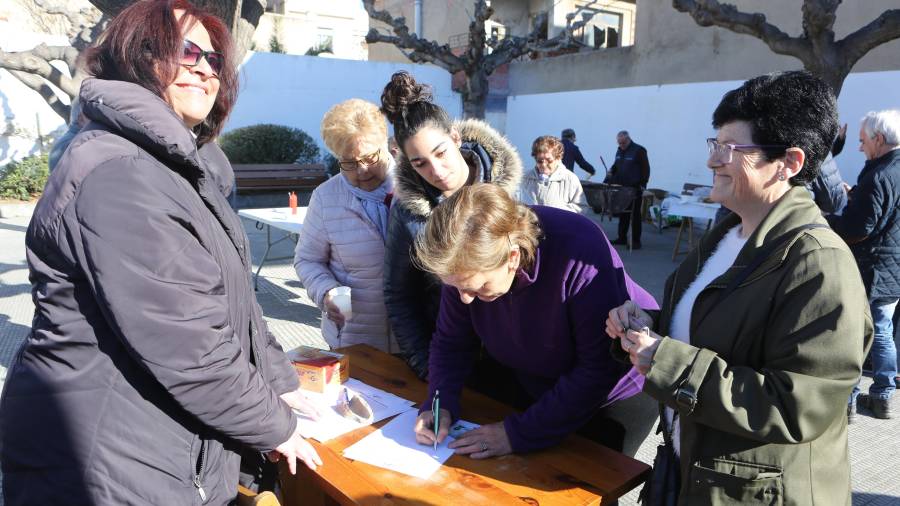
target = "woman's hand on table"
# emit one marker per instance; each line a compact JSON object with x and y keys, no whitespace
{"x":298,"y":401}
{"x":627,"y":316}
{"x":332,"y":312}
{"x":486,"y":441}
{"x":296,"y":448}
{"x":425,"y":431}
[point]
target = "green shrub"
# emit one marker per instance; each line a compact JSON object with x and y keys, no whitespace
{"x":269,"y":144}
{"x":332,"y":165}
{"x":25,"y":178}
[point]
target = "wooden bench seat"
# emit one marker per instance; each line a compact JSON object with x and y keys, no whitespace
{"x":293,"y":176}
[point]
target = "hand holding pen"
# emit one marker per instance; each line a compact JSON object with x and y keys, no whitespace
{"x":425,"y":426}
{"x":436,"y":415}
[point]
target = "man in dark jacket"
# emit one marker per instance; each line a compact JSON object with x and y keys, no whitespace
{"x":572,"y":154}
{"x":871,"y":226}
{"x":631,"y":169}
{"x":828,"y":188}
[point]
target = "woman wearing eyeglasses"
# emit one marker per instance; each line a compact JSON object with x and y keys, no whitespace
{"x":547,"y":185}
{"x":439,"y":156}
{"x":763,"y":329}
{"x":342,"y":240}
{"x":149,"y":366}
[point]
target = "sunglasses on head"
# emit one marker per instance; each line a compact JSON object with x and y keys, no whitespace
{"x":192,"y":54}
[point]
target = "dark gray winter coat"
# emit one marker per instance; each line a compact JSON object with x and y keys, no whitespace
{"x":149,"y":362}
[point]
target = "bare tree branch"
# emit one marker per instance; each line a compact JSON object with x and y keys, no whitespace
{"x":816,"y":48}
{"x":37,"y":62}
{"x":513,"y":47}
{"x":44,"y":90}
{"x":714,"y":13}
{"x":883,"y":29}
{"x":421,"y":50}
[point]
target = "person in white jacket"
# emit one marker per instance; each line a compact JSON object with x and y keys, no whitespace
{"x":342,"y":239}
{"x":547,"y":185}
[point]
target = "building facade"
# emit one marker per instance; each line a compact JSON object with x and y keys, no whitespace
{"x":336,"y":28}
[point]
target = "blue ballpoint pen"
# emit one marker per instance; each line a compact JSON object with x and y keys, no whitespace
{"x":436,"y":415}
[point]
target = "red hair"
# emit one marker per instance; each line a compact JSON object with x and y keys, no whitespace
{"x":143,"y":45}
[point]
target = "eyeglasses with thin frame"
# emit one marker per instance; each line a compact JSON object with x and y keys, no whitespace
{"x":192,"y":54}
{"x":366,"y":160}
{"x":724,"y":152}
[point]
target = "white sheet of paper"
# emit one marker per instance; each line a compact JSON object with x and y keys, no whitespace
{"x":394,"y":447}
{"x":332,"y":424}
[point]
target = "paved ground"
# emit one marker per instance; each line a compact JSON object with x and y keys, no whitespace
{"x":874,"y":445}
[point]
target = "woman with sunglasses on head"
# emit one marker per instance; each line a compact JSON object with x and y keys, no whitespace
{"x":438,"y":157}
{"x":342,"y":241}
{"x":532,"y":286}
{"x":767,"y":319}
{"x":149,"y":365}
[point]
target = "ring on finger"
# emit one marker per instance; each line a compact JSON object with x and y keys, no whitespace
{"x":484,"y":446}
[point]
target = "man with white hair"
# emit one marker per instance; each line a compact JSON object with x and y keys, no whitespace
{"x":871,"y":226}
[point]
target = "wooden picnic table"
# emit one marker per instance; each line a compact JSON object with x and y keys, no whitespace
{"x":576,"y":472}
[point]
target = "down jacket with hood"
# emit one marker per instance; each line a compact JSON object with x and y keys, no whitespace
{"x":339,"y":246}
{"x":149,"y":363}
{"x":411,"y":295}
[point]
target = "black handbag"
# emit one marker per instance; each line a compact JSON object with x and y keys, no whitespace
{"x":665,"y":479}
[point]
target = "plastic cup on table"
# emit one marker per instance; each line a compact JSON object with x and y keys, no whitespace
{"x":340,"y":296}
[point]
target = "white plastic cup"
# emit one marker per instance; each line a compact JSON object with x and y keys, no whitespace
{"x":340,"y":296}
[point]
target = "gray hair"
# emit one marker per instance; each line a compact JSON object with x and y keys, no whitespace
{"x":623,"y":133}
{"x":886,"y":123}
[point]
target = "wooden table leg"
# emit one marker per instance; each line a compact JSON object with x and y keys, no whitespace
{"x":678,"y":240}
{"x":687,"y":223}
{"x":690,"y":234}
{"x":301,"y":489}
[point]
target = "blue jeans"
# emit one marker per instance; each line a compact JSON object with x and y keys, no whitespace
{"x":883,"y":353}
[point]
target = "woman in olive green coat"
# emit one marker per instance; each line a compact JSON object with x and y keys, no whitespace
{"x":755,"y":377}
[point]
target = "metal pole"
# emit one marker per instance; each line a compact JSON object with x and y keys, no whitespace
{"x":418,"y":16}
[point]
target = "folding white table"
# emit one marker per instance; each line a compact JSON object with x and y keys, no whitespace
{"x":689,"y":210}
{"x":279,"y":218}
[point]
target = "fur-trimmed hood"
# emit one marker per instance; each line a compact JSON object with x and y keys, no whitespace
{"x":412,"y":191}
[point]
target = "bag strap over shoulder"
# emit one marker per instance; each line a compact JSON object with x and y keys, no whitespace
{"x":686,"y":398}
{"x":761,"y":256}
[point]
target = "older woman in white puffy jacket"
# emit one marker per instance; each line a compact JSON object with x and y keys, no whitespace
{"x":550,"y":183}
{"x":342,"y":240}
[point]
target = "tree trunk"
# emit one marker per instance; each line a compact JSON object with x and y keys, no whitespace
{"x":834,"y":77}
{"x":830,"y":68}
{"x":475,"y":94}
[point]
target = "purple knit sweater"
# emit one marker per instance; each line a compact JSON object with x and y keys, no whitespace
{"x":549,"y":328}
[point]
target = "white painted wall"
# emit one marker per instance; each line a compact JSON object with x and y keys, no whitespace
{"x":275,"y":88}
{"x":672,"y":122}
{"x":296,"y":91}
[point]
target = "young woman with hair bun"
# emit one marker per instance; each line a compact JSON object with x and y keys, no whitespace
{"x":438,"y":156}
